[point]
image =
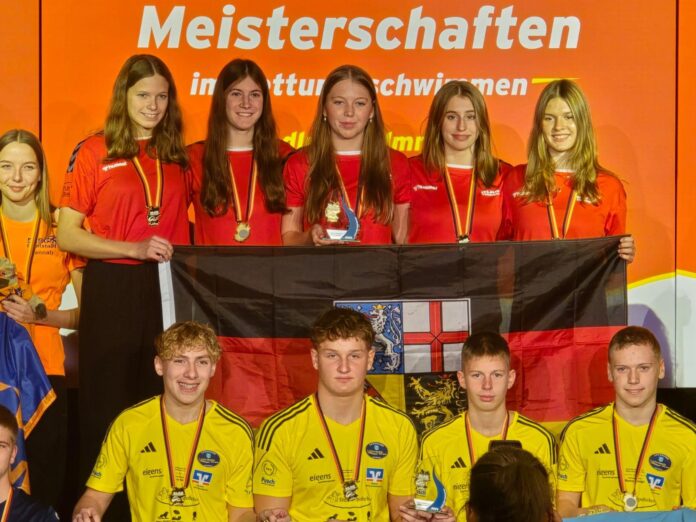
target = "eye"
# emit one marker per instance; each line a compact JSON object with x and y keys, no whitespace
{"x":498,"y":375}
{"x":548,"y":119}
{"x":471,"y":117}
{"x":620,"y":369}
{"x":569,"y":117}
{"x":337,"y":102}
{"x":203,"y":362}
{"x":256,"y":94}
{"x":450,"y":117}
{"x":361,"y":103}
{"x":29,"y":166}
{"x":163,"y":96}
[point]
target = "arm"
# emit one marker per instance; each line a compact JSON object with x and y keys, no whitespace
{"x":272,"y":509}
{"x":291,"y":230}
{"x":19,"y":310}
{"x":237,"y":514}
{"x":400,"y":223}
{"x":91,"y":506}
{"x":72,"y":237}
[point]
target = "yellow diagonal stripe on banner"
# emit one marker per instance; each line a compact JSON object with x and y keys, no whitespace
{"x":686,"y":273}
{"x":648,"y":280}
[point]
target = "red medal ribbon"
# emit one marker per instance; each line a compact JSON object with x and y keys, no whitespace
{"x":194,"y":447}
{"x":464,"y":234}
{"x":327,"y":433}
{"x":570,"y":206}
{"x":469,"y":440}
{"x":151,"y":205}
{"x":250,"y":194}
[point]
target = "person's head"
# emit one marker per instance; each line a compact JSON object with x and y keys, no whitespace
{"x":8,"y":441}
{"x":486,"y":374}
{"x":187,"y":353}
{"x":241,"y":103}
{"x":635,"y":366}
{"x":23,"y":172}
{"x":342,"y":351}
{"x":348,"y":118}
{"x":144,"y":104}
{"x":509,"y":484}
{"x":458,"y":122}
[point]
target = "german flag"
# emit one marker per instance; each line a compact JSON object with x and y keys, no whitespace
{"x":557,"y":302}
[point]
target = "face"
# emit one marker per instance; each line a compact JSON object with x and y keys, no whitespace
{"x":348,"y":110}
{"x":486,"y":381}
{"x":343,"y":365}
{"x":8,"y":451}
{"x":635,"y":371}
{"x":147,"y":104}
{"x":459,"y":126}
{"x":19,"y":173}
{"x":559,"y":128}
{"x":244,"y":104}
{"x":186,"y":375}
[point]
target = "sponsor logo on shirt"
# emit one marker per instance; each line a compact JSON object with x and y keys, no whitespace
{"x":520,"y":194}
{"x":107,"y":168}
{"x":323,"y":477}
{"x":315,"y":455}
{"x":267,"y":481}
{"x":660,"y":461}
{"x":376,"y":450}
{"x":202,"y":478}
{"x":459,"y":487}
{"x":268,"y":468}
{"x":603,"y":450}
{"x":424,"y":187}
{"x":608,"y":473}
{"x":490,"y":192}
{"x":458,"y":464}
{"x":374,"y":475}
{"x":208,"y":458}
{"x":149,"y":448}
{"x":152,"y":472}
{"x":655,"y":481}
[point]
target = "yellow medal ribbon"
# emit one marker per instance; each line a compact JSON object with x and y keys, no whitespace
{"x":153,"y":207}
{"x":463,"y":235}
{"x":243,"y":229}
{"x":8,"y":503}
{"x":31,"y":248}
{"x":570,"y":206}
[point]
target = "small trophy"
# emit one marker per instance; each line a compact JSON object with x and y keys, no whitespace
{"x":430,"y":492}
{"x":340,"y":222}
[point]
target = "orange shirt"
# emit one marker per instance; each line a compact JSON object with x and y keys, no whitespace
{"x":523,"y":221}
{"x":50,"y":274}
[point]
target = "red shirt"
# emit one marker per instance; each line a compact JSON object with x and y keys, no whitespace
{"x":371,"y":232}
{"x":111,"y":196}
{"x":431,"y":217}
{"x":524,"y":221}
{"x":220,"y":230}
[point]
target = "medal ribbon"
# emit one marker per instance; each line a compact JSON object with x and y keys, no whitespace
{"x":31,"y":248}
{"x":641,"y":456}
{"x":146,"y":186}
{"x":8,"y":503}
{"x":570,"y":206}
{"x":469,"y":439}
{"x":334,"y":453}
{"x":344,"y":193}
{"x":250,"y":194}
{"x":466,"y":232}
{"x":170,"y":460}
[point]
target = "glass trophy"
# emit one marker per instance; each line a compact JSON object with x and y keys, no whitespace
{"x":430,"y":491}
{"x":340,"y":222}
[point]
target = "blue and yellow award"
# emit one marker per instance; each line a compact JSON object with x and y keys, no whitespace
{"x":430,"y":492}
{"x":342,"y":223}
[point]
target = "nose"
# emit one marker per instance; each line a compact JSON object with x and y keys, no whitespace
{"x":461,"y":124}
{"x":191,"y":372}
{"x":633,"y":376}
{"x":349,"y":109}
{"x":487,"y":382}
{"x":16,"y":174}
{"x":246,"y":100}
{"x":343,"y":366}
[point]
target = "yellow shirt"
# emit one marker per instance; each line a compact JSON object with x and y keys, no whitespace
{"x":445,"y":451}
{"x":134,"y":449}
{"x":294,"y":459}
{"x":587,"y":461}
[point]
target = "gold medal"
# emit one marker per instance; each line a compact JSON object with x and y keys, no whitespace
{"x":333,"y":209}
{"x":153,"y":216}
{"x":350,"y":490}
{"x":177,"y":497}
{"x":242,"y":232}
{"x":630,"y":502}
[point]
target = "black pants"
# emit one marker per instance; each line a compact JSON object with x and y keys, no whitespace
{"x":120,"y":316}
{"x":47,"y":448}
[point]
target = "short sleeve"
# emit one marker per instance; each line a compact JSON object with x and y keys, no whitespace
{"x":81,"y":194}
{"x":616,"y":218}
{"x":571,"y":470}
{"x":401,"y":483}
{"x":238,"y":490}
{"x":294,"y":175}
{"x":688,"y":492}
{"x":111,"y":466}
{"x":401,"y":177}
{"x":272,"y":471}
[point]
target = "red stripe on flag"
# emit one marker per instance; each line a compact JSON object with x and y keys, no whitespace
{"x":258,"y":376}
{"x":564,"y":372}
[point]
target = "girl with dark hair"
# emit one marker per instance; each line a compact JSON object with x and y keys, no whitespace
{"x":129,"y":182}
{"x":456,"y":183}
{"x":27,"y":240}
{"x":236,"y":173}
{"x":563,"y":192}
{"x":347,"y":184}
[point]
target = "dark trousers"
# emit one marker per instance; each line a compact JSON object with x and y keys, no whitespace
{"x":47,"y":448}
{"x":120,"y":316}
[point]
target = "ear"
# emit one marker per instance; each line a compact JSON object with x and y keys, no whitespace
{"x":609,"y":374}
{"x":14,"y":454}
{"x":213,"y":367}
{"x":315,"y":358}
{"x":460,"y":378}
{"x":370,"y":358}
{"x":662,"y":368}
{"x":159,"y":366}
{"x":512,"y":375}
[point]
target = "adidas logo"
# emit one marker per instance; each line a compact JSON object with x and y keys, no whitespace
{"x":458,"y":464}
{"x":150,"y":448}
{"x":603,"y":450}
{"x":315,"y":455}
